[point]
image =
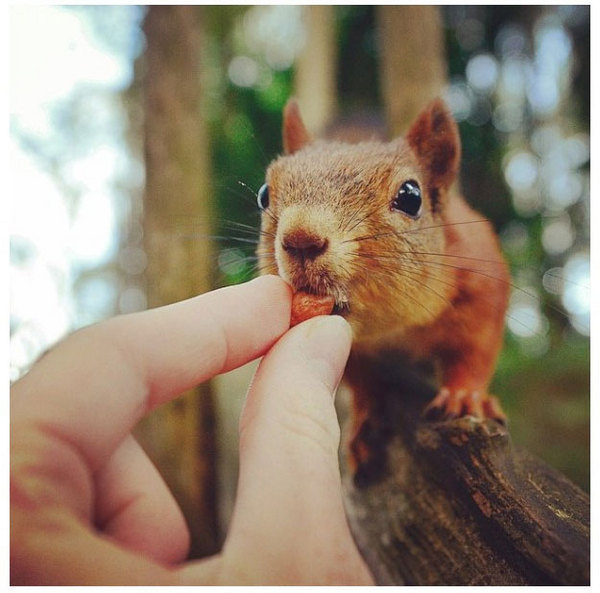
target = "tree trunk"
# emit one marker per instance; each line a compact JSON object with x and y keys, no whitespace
{"x":413,"y":61}
{"x":456,"y":504}
{"x":179,"y":437}
{"x":315,"y":73}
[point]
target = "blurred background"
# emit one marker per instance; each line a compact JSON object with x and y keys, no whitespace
{"x":139,"y":136}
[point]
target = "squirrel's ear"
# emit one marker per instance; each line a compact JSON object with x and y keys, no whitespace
{"x":435,"y":140}
{"x":295,"y":135}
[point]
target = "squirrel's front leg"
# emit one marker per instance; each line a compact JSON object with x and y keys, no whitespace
{"x":466,"y":375}
{"x":465,"y":343}
{"x":454,"y":400}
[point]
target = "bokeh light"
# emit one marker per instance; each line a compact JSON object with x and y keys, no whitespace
{"x":576,"y":291}
{"x":482,"y":72}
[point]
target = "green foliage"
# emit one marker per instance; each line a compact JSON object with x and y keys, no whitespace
{"x":358,"y":53}
{"x":245,"y":137}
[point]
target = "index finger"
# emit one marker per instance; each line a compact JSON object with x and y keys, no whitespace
{"x":91,"y":389}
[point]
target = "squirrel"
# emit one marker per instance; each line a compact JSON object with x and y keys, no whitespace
{"x":381,"y":228}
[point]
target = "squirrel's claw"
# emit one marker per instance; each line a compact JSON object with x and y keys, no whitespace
{"x":449,"y":404}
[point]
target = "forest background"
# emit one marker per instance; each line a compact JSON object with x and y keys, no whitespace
{"x":101,"y":129}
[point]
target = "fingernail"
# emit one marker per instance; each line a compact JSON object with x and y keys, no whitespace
{"x":327,"y":342}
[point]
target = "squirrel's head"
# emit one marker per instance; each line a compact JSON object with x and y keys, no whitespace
{"x":357,"y":220}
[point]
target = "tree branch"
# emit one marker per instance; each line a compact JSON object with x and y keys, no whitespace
{"x":458,"y":504}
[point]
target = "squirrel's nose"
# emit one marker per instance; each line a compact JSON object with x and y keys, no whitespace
{"x":304,"y":245}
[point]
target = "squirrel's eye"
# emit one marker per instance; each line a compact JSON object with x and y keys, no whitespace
{"x":408,"y":199}
{"x":262,"y":197}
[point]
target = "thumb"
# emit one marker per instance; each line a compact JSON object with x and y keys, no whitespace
{"x":289,"y":524}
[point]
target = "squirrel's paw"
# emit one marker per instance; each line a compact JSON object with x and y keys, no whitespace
{"x":448,"y":404}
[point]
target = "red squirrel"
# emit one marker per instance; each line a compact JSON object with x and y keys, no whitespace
{"x":380,"y":229}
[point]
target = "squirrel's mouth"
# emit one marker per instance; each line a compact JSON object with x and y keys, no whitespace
{"x":341,"y":309}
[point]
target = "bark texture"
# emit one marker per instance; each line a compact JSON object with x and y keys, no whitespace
{"x":458,"y":504}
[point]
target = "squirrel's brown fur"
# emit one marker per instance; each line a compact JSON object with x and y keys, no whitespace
{"x":434,"y":287}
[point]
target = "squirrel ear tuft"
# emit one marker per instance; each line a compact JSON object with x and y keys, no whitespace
{"x":295,"y":135}
{"x":435,"y":140}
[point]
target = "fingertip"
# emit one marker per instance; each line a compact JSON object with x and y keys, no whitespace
{"x":278,"y":290}
{"x":326,"y":343}
{"x":339,"y":324}
{"x":274,"y":283}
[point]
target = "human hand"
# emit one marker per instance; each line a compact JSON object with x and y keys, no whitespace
{"x":88,"y":507}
